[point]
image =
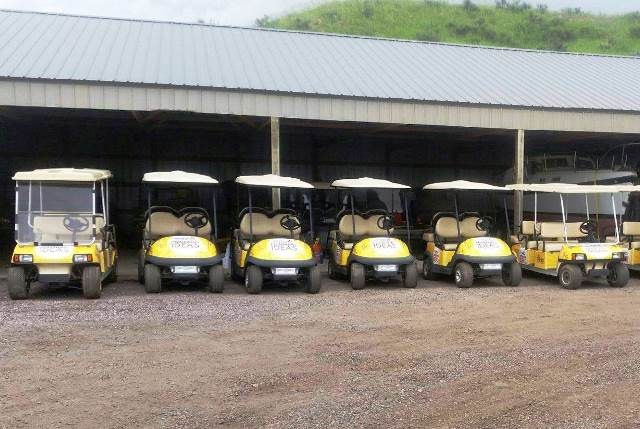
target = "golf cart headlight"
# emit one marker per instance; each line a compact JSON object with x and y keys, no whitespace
{"x":23,"y":259}
{"x":579,"y":257}
{"x":621,"y":256}
{"x":81,"y":259}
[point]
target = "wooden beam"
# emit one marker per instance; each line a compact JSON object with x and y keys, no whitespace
{"x":275,"y":158}
{"x":518,"y":169}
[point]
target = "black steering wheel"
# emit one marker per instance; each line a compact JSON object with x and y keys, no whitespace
{"x":196,"y":220}
{"x":485,"y":223}
{"x":385,"y":222}
{"x":75,"y":223}
{"x":588,"y":228}
{"x":290,"y":223}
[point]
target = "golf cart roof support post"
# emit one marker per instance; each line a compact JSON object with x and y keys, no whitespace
{"x":149,"y":204}
{"x":564,"y":219}
{"x":313,"y":238}
{"x":586,"y":203}
{"x":215,"y":214}
{"x":519,"y":166}
{"x":40,"y":186}
{"x":93,"y":213}
{"x":615,"y":218}
{"x":353,"y":213}
{"x":535,"y":214}
{"x":106,"y":213}
{"x":455,"y":204}
{"x":506,"y":217}
{"x":250,"y":216}
{"x":408,"y":218}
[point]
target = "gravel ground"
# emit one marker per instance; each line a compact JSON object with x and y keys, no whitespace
{"x":491,"y":356}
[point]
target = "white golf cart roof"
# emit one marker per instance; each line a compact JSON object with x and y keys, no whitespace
{"x":273,"y":181}
{"x":63,"y":175}
{"x":569,"y":188}
{"x":367,"y":182}
{"x":463,"y":185}
{"x":178,"y":177}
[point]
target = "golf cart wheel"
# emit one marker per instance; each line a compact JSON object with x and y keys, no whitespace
{"x":152,"y":279}
{"x":427,"y":268}
{"x":141,"y":266}
{"x":618,"y":275}
{"x":312,"y":280}
{"x":253,"y":279}
{"x":357,"y":276}
{"x":570,"y":276}
{"x":91,"y":282}
{"x":17,"y":283}
{"x":410,"y":276}
{"x":216,"y":279}
{"x":463,"y":274}
{"x":511,"y":274}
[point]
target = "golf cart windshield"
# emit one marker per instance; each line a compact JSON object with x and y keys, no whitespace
{"x":56,"y":213}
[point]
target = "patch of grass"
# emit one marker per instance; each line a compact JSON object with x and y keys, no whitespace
{"x":509,"y":23}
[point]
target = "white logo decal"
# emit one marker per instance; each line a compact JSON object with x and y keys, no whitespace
{"x":436,"y":256}
{"x":384,"y":244}
{"x":486,"y":244}
{"x":283,"y":246}
{"x":54,"y":252}
{"x":184,"y":244}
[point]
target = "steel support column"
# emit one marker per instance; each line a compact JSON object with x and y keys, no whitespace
{"x":518,"y":169}
{"x":275,"y":158}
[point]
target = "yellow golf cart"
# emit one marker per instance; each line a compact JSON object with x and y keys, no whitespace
{"x":179,"y":242}
{"x":461,"y":243}
{"x":62,"y":231}
{"x":269,"y":244}
{"x":570,"y":251}
{"x":362,"y":247}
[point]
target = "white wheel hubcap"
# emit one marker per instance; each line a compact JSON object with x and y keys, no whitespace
{"x":458,"y":276}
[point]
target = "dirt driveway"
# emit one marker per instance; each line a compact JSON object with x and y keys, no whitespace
{"x":492,"y":356}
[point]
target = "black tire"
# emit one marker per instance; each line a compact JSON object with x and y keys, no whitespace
{"x":618,"y":275}
{"x":512,"y":274}
{"x":91,"y":282}
{"x":570,"y":276}
{"x":253,"y":279}
{"x":216,"y":279}
{"x":313,"y":280}
{"x":410,"y":276}
{"x":463,"y":274}
{"x":358,"y":278}
{"x":17,"y":283}
{"x":141,"y":258}
{"x":152,"y":279}
{"x":427,"y":268}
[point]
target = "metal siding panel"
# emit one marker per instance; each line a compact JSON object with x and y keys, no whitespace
{"x":49,"y":46}
{"x":8,"y":94}
{"x":52,"y":95}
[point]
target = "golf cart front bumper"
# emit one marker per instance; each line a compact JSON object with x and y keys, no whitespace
{"x":485,"y":265}
{"x":184,"y":262}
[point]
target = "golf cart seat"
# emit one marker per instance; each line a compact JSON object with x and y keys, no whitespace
{"x":265,"y":224}
{"x":529,"y":232}
{"x":552,"y":235}
{"x":166,"y":222}
{"x":630,"y":235}
{"x":51,"y":229}
{"x":366,"y":225}
{"x":446,"y":230}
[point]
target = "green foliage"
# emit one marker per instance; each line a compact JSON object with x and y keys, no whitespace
{"x":510,"y":23}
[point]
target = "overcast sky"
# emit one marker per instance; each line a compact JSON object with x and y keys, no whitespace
{"x":238,"y":12}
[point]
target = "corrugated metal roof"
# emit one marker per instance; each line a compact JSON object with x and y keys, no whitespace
{"x":64,"y":47}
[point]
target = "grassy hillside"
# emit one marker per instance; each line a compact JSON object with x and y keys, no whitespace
{"x":508,"y":23}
